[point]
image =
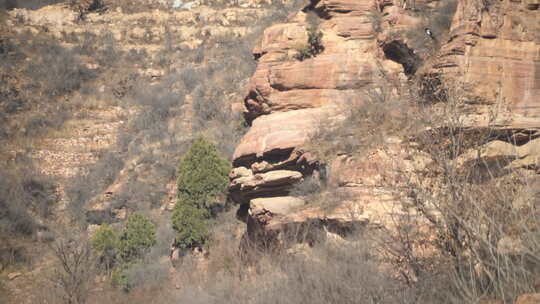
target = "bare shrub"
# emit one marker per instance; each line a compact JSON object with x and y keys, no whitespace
{"x":74,"y":271}
{"x":26,"y":200}
{"x":12,"y":255}
{"x":27,"y":4}
{"x":157,"y":102}
{"x":473,"y":214}
{"x":323,"y":274}
{"x":56,"y":70}
{"x":85,"y":6}
{"x":31,"y":83}
{"x":462,"y":227}
{"x":101,"y":48}
{"x":93,"y":181}
{"x":376,"y":19}
{"x":310,"y":185}
{"x":149,"y":272}
{"x":383,"y":114}
{"x":24,"y":193}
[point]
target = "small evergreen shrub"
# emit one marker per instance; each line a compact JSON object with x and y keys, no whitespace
{"x":138,"y":237}
{"x":105,"y":239}
{"x":314,"y":44}
{"x":119,"y":277}
{"x":202,"y":180}
{"x":105,"y":242}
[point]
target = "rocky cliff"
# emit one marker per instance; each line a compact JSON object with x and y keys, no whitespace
{"x":494,"y":46}
{"x":491,"y":48}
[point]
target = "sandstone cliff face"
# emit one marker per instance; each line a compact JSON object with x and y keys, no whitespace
{"x":494,"y":47}
{"x":288,"y":98}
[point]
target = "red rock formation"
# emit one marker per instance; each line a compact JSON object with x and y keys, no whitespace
{"x":496,"y":48}
{"x":288,"y":98}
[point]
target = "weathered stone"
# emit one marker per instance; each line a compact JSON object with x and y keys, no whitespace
{"x":13,"y":275}
{"x":275,"y":205}
{"x":288,"y":100}
{"x":530,"y":298}
{"x":506,"y":155}
{"x":496,"y":50}
{"x":239,"y":172}
{"x":277,"y":134}
{"x":272,"y":178}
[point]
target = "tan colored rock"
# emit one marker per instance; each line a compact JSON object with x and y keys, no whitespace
{"x":352,"y":8}
{"x":496,"y":49}
{"x":268,"y":179}
{"x":530,"y":298}
{"x":239,"y":172}
{"x":281,"y":132}
{"x":288,"y":100}
{"x":345,"y":214}
{"x":278,"y":177}
{"x":13,"y":275}
{"x":506,"y":154}
{"x":261,"y":166}
{"x":275,"y":205}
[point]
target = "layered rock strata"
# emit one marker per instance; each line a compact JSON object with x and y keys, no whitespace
{"x":494,"y":48}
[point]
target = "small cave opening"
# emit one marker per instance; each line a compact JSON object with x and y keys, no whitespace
{"x":318,"y":11}
{"x":399,"y":52}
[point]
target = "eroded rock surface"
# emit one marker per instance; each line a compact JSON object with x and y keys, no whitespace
{"x":288,"y":99}
{"x":495,"y":48}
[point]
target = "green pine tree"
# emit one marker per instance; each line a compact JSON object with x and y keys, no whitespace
{"x":105,"y":243}
{"x":202,"y":179}
{"x":138,"y":237}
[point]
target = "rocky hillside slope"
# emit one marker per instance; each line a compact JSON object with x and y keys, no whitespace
{"x":102,"y":106}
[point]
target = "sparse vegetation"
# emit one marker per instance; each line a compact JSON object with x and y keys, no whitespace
{"x":75,"y":268}
{"x":461,"y":234}
{"x":88,"y":184}
{"x":376,"y":20}
{"x":314,"y":45}
{"x":26,"y":199}
{"x":381,"y":114}
{"x":467,"y":208}
{"x":438,"y":20}
{"x":102,"y":75}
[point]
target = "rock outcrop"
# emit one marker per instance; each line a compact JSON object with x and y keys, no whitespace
{"x":531,"y":298}
{"x":287,"y":99}
{"x":495,"y":47}
{"x":492,"y":46}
